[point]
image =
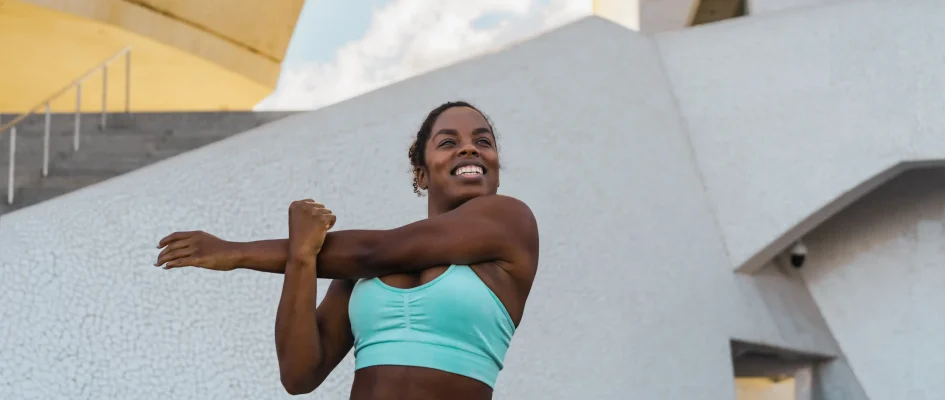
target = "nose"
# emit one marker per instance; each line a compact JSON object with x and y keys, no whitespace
{"x":468,"y":150}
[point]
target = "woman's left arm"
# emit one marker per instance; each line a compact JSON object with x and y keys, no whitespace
{"x":488,"y":228}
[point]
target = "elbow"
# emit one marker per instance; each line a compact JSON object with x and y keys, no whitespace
{"x":295,"y":384}
{"x":298,"y":379}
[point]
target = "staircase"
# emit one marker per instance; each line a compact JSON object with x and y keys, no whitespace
{"x":129,"y":142}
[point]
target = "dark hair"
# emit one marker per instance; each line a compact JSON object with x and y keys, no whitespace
{"x":419,"y":146}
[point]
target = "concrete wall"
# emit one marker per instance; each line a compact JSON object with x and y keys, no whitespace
{"x":641,"y":231}
{"x":623,"y":12}
{"x":648,"y":16}
{"x":759,"y":7}
{"x":876,"y":272}
{"x":792,"y":112}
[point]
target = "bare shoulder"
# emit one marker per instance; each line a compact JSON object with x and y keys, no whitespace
{"x":509,"y":209}
{"x":520,"y":229}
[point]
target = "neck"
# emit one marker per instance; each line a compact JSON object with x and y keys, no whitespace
{"x":436,"y":205}
{"x":434,"y":209}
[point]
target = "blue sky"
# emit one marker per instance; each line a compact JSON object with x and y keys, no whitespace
{"x":325,"y":25}
{"x":343,"y":48}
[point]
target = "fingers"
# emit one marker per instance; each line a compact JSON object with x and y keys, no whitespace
{"x":314,"y":203}
{"x":331,"y":220}
{"x":181,"y":262}
{"x":309,"y":202}
{"x":314,"y":209}
{"x":320,"y":211}
{"x":174,"y":249}
{"x":175,"y":245}
{"x":173,"y":238}
{"x":168,"y":256}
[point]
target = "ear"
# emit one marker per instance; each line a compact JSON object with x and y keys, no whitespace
{"x":422,"y":178}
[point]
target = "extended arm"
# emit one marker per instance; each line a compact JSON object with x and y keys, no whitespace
{"x":488,"y":228}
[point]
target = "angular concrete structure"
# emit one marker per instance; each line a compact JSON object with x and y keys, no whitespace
{"x":667,"y":174}
{"x":224,"y":54}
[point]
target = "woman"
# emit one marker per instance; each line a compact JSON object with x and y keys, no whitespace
{"x":430,"y":307}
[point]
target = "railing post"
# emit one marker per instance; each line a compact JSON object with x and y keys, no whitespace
{"x":46,"y":142}
{"x":128,"y":81}
{"x":104,"y":93}
{"x":78,"y":116}
{"x":12,"y":165}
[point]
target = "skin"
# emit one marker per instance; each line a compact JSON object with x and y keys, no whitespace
{"x":468,"y":223}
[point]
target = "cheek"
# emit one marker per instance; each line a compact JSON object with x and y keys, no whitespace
{"x":438,"y":166}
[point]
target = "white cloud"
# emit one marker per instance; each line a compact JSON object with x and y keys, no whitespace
{"x":409,"y":37}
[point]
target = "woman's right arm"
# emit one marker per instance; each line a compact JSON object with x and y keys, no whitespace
{"x":310,"y":341}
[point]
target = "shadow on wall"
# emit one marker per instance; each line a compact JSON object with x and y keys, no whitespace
{"x":838,"y":242}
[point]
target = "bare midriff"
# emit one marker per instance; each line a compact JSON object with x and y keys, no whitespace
{"x":393,"y":382}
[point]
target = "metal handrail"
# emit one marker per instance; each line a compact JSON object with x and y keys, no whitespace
{"x":77,"y":83}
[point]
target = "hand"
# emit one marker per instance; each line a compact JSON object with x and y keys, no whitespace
{"x":196,"y":249}
{"x":309,"y":222}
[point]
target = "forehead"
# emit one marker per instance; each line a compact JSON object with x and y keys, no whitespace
{"x":461,"y":119}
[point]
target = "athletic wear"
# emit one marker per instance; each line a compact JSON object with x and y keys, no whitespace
{"x":453,"y":323}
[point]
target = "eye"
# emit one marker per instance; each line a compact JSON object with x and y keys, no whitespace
{"x":484,"y":142}
{"x":446,"y":142}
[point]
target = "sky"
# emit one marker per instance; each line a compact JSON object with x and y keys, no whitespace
{"x":344,"y":48}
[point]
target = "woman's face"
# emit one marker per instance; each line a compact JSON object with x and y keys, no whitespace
{"x":461,"y":157}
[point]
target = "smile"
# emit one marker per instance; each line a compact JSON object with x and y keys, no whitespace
{"x":469,"y":171}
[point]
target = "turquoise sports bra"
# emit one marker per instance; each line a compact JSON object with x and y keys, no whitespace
{"x":453,"y":323}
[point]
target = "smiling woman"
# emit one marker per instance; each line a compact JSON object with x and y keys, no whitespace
{"x":473,"y":167}
{"x":430,"y":307}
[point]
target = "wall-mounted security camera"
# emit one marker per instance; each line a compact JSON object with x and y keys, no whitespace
{"x":797,"y":255}
{"x":791,"y":259}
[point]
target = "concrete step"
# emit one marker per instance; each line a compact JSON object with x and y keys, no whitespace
{"x":48,"y":188}
{"x":129,"y":142}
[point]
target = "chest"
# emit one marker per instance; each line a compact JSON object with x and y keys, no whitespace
{"x":450,"y":304}
{"x":409,"y":281}
{"x":500,"y":283}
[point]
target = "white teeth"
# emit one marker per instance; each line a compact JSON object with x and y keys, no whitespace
{"x":469,"y":170}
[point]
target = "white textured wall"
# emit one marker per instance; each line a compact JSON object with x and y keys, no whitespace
{"x":877,"y":271}
{"x":758,"y":7}
{"x":788,"y":112}
{"x":666,"y":15}
{"x":641,"y":223}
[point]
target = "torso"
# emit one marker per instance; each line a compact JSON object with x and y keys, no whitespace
{"x":387,"y":382}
